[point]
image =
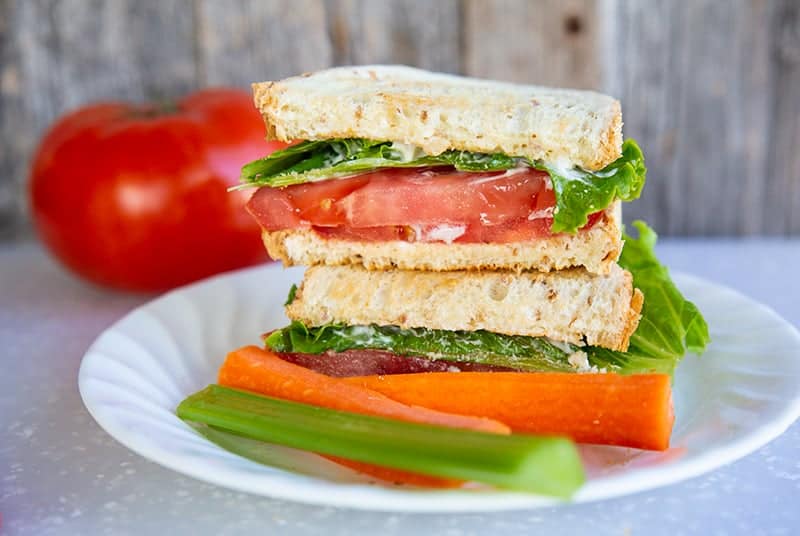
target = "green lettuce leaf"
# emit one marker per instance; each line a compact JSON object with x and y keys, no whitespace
{"x":670,"y":324}
{"x":519,"y":352}
{"x":312,"y":161}
{"x":578,"y":192}
{"x":291,"y":296}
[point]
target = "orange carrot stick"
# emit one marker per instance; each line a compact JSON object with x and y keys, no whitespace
{"x":398,"y":476}
{"x":258,"y":370}
{"x":255,"y":369}
{"x":632,"y":411}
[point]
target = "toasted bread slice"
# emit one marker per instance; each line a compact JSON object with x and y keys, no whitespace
{"x":571,"y":306}
{"x":595,"y":249}
{"x":437,"y":112}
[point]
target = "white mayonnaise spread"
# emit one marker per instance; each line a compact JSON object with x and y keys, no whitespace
{"x":541,"y":213}
{"x":507,"y":173}
{"x":566,"y":169}
{"x":408,"y":152}
{"x":446,"y":233}
{"x":439,"y":233}
{"x":563,"y":346}
{"x":372,"y":338}
{"x":580,"y":361}
{"x":577,"y":358}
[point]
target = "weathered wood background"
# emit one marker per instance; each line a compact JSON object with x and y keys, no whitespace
{"x":710,"y":88}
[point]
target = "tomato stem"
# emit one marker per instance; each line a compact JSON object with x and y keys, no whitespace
{"x":157,"y":108}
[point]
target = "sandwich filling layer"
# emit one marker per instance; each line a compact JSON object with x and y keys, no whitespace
{"x":359,"y":184}
{"x":438,"y":349}
{"x":416,"y":205}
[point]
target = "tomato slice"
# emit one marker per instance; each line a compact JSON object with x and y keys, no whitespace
{"x":431,"y":197}
{"x":314,"y":203}
{"x":372,"y":362}
{"x":418,"y":204}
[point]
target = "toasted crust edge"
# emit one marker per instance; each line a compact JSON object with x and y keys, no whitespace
{"x":634,"y":315}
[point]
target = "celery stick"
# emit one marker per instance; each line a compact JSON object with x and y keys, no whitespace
{"x":545,"y":465}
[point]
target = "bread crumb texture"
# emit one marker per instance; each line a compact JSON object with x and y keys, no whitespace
{"x":437,"y":112}
{"x":571,"y":305}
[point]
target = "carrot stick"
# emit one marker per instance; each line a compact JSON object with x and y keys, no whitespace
{"x":255,"y":369}
{"x":398,"y":476}
{"x":632,"y":411}
{"x":258,"y":370}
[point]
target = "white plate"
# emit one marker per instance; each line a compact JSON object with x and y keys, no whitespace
{"x":742,"y":393}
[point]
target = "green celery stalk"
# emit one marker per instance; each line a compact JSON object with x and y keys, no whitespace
{"x":544,"y":465}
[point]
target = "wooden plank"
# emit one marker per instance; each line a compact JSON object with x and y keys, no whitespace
{"x":57,"y":55}
{"x":548,"y":42}
{"x":250,"y":41}
{"x":411,"y":32}
{"x":694,"y":86}
{"x":14,"y":131}
{"x":77,"y":51}
{"x":709,"y":88}
{"x":782,"y":199}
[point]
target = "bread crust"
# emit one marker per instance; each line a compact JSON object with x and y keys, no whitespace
{"x":437,"y":112}
{"x":595,"y":249}
{"x":570,"y":305}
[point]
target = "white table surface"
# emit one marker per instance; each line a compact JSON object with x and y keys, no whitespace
{"x":61,"y":474}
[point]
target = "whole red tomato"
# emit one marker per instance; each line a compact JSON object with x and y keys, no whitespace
{"x":135,"y":196}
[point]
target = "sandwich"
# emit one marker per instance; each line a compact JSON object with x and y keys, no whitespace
{"x":511,"y":163}
{"x":426,"y":202}
{"x":456,"y":225}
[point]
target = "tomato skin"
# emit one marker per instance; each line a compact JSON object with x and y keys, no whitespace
{"x":135,"y":198}
{"x":404,"y":196}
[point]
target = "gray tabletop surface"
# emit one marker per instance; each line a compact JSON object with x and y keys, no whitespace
{"x":61,"y":474}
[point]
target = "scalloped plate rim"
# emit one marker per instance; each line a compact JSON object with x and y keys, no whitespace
{"x":318,"y":491}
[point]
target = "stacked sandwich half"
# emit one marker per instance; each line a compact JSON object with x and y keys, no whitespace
{"x":451,"y":224}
